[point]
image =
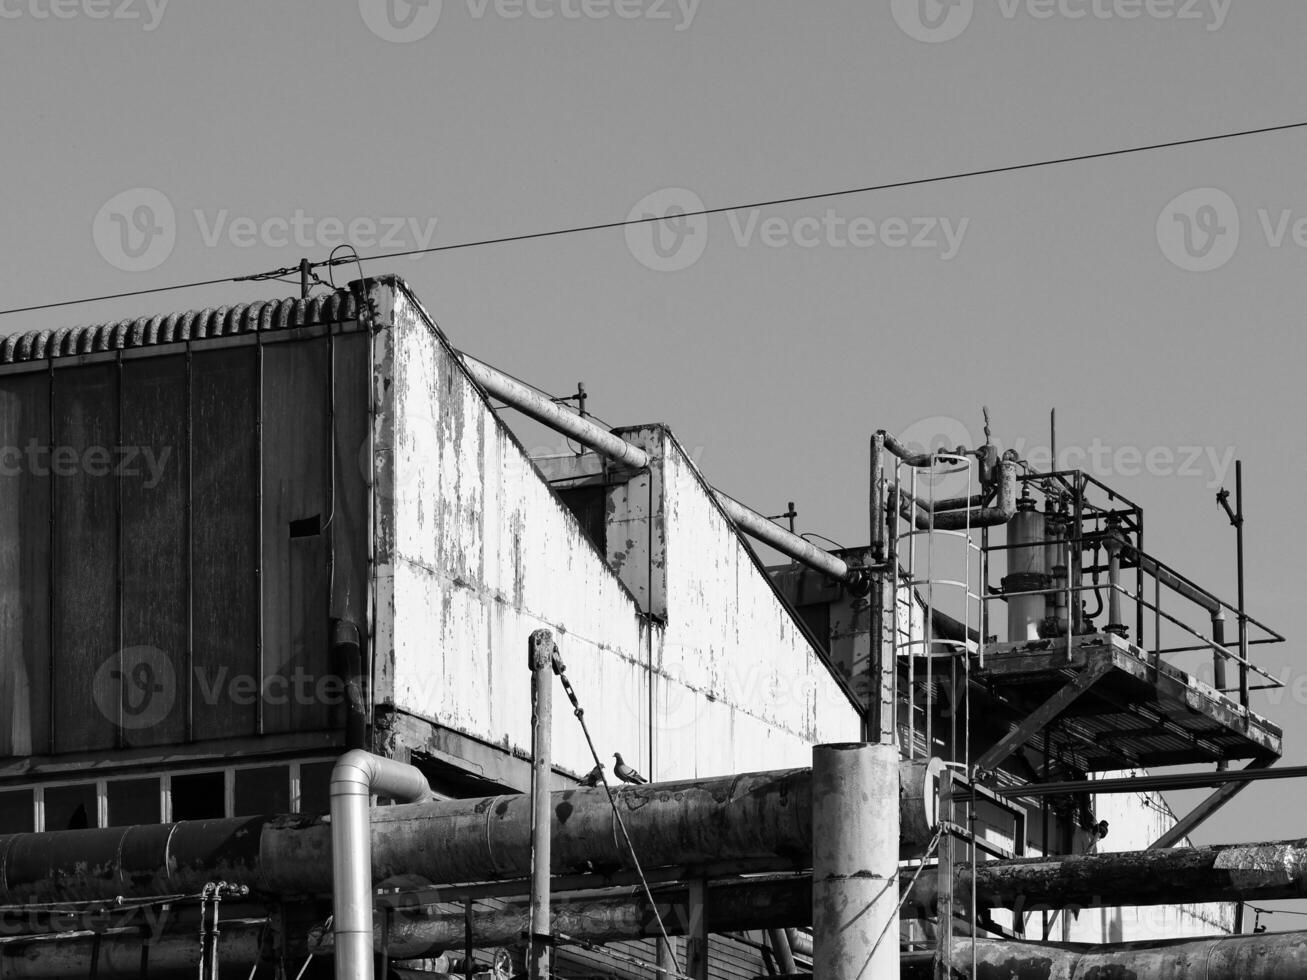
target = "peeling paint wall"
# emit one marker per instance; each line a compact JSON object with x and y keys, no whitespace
{"x":474,"y":552}
{"x":1135,"y":821}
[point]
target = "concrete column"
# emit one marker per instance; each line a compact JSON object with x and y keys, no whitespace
{"x":855,"y":860}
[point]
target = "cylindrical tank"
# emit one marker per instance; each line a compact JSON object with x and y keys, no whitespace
{"x":1027,"y":572}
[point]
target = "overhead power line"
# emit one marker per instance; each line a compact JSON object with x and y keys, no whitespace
{"x":706,"y":212}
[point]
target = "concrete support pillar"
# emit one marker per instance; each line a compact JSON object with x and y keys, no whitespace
{"x":855,"y":860}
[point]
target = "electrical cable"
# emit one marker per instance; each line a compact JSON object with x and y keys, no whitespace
{"x":706,"y":212}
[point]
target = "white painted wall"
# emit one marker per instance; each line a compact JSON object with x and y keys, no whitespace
{"x":475,"y":552}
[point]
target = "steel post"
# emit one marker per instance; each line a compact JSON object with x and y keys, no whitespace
{"x":543,"y":657}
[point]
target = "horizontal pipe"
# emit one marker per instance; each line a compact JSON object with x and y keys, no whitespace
{"x":1174,"y":582}
{"x":1232,"y":872}
{"x":763,"y":818}
{"x":788,"y":544}
{"x":543,"y":409}
{"x":1271,"y":871}
{"x":1264,"y":956}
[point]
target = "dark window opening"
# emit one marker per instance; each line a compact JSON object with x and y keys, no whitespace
{"x":132,"y":802}
{"x":199,"y":796}
{"x":315,"y":787}
{"x":71,"y":807}
{"x":17,"y":815}
{"x":262,"y":791}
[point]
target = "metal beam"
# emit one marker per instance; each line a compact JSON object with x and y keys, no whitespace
{"x":1144,"y":784}
{"x":1185,"y":826}
{"x":1041,"y":717}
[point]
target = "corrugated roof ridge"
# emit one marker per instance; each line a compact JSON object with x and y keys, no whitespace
{"x":37,"y":345}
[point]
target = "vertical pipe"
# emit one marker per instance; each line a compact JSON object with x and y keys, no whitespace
{"x":1243,"y":609}
{"x":542,"y":655}
{"x":873,"y":721}
{"x":356,"y":776}
{"x":1218,"y":659}
{"x":666,"y":960}
{"x":944,"y":875}
{"x":855,"y":860}
{"x":696,"y":946}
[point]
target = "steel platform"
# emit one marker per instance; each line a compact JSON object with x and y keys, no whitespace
{"x":1106,"y":706}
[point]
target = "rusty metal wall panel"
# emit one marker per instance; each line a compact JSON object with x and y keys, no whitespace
{"x":296,"y":507}
{"x":351,"y":513}
{"x":225,"y":477}
{"x":24,"y":568}
{"x":153,"y":483}
{"x":85,"y":557}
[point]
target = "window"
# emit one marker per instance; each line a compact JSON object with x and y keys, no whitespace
{"x":71,"y":807}
{"x":132,"y":801}
{"x":261,"y":791}
{"x":17,"y":814}
{"x":199,"y":795}
{"x":315,"y":787}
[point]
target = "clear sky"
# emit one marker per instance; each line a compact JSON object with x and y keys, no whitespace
{"x":1153,"y":322}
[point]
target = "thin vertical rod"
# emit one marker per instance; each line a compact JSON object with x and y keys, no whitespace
{"x":1243,"y":609}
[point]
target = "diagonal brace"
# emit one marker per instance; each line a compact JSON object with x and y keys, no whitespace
{"x":1187,"y":824}
{"x":1041,"y":717}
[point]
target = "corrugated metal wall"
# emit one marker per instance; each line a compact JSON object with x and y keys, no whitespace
{"x":153,"y":586}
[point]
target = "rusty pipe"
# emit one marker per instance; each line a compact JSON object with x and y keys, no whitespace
{"x":763,"y":818}
{"x":1265,"y":956}
{"x":545,"y":410}
{"x":790,"y":545}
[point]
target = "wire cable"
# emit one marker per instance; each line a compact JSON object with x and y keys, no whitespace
{"x":828,"y":195}
{"x":617,"y":814}
{"x":604,"y":226}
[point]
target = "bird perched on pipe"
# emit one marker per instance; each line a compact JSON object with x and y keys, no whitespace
{"x":594,"y":777}
{"x":625,"y":773}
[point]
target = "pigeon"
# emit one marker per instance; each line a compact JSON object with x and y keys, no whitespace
{"x":594,"y":777}
{"x":625,"y":773}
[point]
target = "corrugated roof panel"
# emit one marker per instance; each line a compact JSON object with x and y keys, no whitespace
{"x":268,"y":315}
